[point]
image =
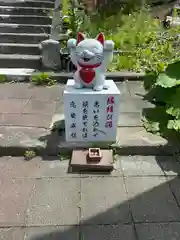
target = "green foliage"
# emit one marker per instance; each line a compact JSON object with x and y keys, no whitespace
{"x":150,"y":48}
{"x":3,"y":79}
{"x":65,"y":7}
{"x":77,"y":19}
{"x":174,"y":125}
{"x":165,"y":93}
{"x":171,"y":76}
{"x":42,"y":79}
{"x":29,"y":154}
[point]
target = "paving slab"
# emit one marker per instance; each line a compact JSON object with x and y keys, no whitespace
{"x":52,"y":233}
{"x":28,"y":90}
{"x":152,"y":200}
{"x":35,"y":106}
{"x":122,"y":86}
{"x":104,"y":201}
{"x":13,"y":201}
{"x":155,"y":231}
{"x":15,"y":106}
{"x":133,"y":104}
{"x":137,"y":141}
{"x":117,"y":171}
{"x":48,"y":93}
{"x":15,"y":140}
{"x":140,"y":166}
{"x":38,"y":167}
{"x":54,"y":202}
{"x":108,"y":232}
{"x":129,"y":119}
{"x":47,"y":167}
{"x":16,"y":91}
{"x":25,"y":120}
{"x":11,"y":233}
{"x":136,"y":89}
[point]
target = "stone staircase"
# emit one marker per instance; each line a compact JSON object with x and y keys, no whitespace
{"x":23,"y":25}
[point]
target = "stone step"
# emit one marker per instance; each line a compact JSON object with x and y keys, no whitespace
{"x":24,"y":28}
{"x":62,"y":77}
{"x":28,"y":3}
{"x":25,"y":10}
{"x":25,"y":19}
{"x":22,"y":38}
{"x":19,"y":48}
{"x":20,"y":61}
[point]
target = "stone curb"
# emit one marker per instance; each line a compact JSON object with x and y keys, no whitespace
{"x":62,"y":77}
{"x":125,"y":150}
{"x":15,"y":141}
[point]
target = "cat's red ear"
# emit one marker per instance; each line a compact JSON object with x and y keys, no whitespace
{"x":101,"y":38}
{"x":80,"y":37}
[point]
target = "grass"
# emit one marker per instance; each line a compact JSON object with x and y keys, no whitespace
{"x":29,"y":154}
{"x":42,"y":79}
{"x":65,"y":7}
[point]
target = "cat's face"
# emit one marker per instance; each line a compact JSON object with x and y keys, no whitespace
{"x":89,"y":52}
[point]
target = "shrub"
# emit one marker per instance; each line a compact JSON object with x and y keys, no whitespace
{"x":164,"y":92}
{"x":149,"y":46}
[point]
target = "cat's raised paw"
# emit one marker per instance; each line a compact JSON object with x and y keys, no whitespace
{"x":77,"y":85}
{"x":71,"y":43}
{"x":109,"y":45}
{"x":106,"y":87}
{"x":98,"y":88}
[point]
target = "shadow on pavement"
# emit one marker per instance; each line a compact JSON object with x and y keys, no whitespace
{"x":148,"y":215}
{"x":169,"y":164}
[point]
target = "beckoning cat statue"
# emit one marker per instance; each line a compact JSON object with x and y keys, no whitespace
{"x":91,"y":58}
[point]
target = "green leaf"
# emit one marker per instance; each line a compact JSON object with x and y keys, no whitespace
{"x":174,"y":124}
{"x":149,"y":81}
{"x":173,"y":111}
{"x":155,"y":119}
{"x":161,"y":67}
{"x":173,"y":105}
{"x":155,"y":114}
{"x":171,"y":77}
{"x":165,"y":81}
{"x":173,"y":70}
{"x":150,"y":126}
{"x":160,"y":95}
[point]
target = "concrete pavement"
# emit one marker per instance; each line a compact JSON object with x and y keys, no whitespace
{"x":138,"y":201}
{"x":42,"y":199}
{"x":26,"y":114}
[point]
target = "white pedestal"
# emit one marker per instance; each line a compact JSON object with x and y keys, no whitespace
{"x":91,"y":116}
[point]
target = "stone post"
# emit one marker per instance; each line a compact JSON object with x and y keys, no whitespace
{"x":50,"y":54}
{"x":56,"y":23}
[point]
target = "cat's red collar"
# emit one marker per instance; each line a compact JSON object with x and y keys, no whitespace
{"x":89,"y":66}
